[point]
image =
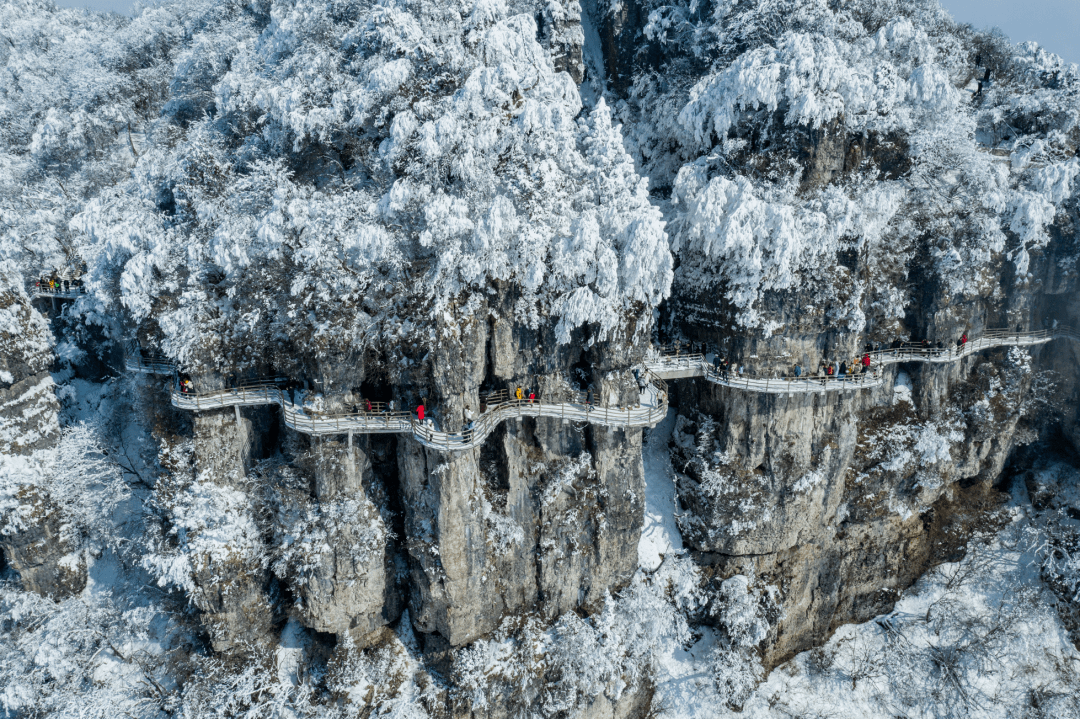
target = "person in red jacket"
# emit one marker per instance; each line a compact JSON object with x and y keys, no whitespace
{"x":420,"y":412}
{"x":866,"y":360}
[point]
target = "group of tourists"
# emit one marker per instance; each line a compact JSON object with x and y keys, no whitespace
{"x":521,"y":394}
{"x":843,"y":371}
{"x":723,"y":367}
{"x":55,"y":284}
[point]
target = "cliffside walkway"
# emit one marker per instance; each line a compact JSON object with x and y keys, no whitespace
{"x":651,"y":408}
{"x":679,"y":366}
{"x":137,"y":361}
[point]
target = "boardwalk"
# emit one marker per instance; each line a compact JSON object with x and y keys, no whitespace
{"x":695,"y":365}
{"x":651,"y":407}
{"x":139,"y":362}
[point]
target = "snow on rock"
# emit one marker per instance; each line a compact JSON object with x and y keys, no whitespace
{"x":660,"y":536}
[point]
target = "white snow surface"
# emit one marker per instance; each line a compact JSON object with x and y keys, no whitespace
{"x":974,"y":638}
{"x":660,"y":535}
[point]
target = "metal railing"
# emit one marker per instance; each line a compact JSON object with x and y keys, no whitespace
{"x":35,"y":290}
{"x":135,"y":360}
{"x":651,"y":409}
{"x":694,"y":365}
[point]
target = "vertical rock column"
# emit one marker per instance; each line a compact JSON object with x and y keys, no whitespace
{"x":469,"y":568}
{"x":344,"y":584}
{"x":37,"y":541}
{"x":530,"y":519}
{"x":231,"y":594}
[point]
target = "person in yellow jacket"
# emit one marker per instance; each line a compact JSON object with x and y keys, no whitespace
{"x":519,"y":394}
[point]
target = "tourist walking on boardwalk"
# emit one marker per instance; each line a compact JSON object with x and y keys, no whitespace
{"x":866,"y":361}
{"x":843,"y":370}
{"x":518,"y":394}
{"x":961,"y":342}
{"x":420,"y":412}
{"x":798,"y":371}
{"x":468,"y":417}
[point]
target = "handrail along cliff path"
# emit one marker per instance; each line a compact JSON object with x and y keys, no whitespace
{"x":651,"y":408}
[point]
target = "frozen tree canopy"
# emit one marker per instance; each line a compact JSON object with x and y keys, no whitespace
{"x":798,"y":131}
{"x":330,"y":331}
{"x":297,"y":159}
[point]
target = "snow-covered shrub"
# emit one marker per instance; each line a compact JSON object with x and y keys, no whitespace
{"x":79,"y":480}
{"x":316,"y":533}
{"x":1055,"y":491}
{"x":743,"y":615}
{"x":384,"y":680}
{"x":754,"y":239}
{"x":547,"y":672}
{"x":92,"y":656}
{"x":724,"y":499}
{"x":563,"y":476}
{"x":432,"y":155}
{"x":212,"y":534}
{"x":902,"y":461}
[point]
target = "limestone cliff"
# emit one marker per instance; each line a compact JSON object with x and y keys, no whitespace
{"x":36,"y":539}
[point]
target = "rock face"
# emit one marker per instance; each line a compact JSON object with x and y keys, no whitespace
{"x":543,"y":517}
{"x":347,"y":583}
{"x":36,"y":539}
{"x":43,"y":548}
{"x":842,"y":500}
{"x":231,"y":592}
{"x":620,"y":38}
{"x":563,"y":37}
{"x":28,"y":406}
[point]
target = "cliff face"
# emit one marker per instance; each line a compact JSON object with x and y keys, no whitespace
{"x":842,"y":500}
{"x":445,"y":215}
{"x":835,"y":501}
{"x":37,"y":539}
{"x":542,"y":519}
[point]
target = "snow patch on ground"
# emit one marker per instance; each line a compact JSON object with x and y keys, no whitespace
{"x":595,"y":83}
{"x":660,"y":535}
{"x":902,"y":388}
